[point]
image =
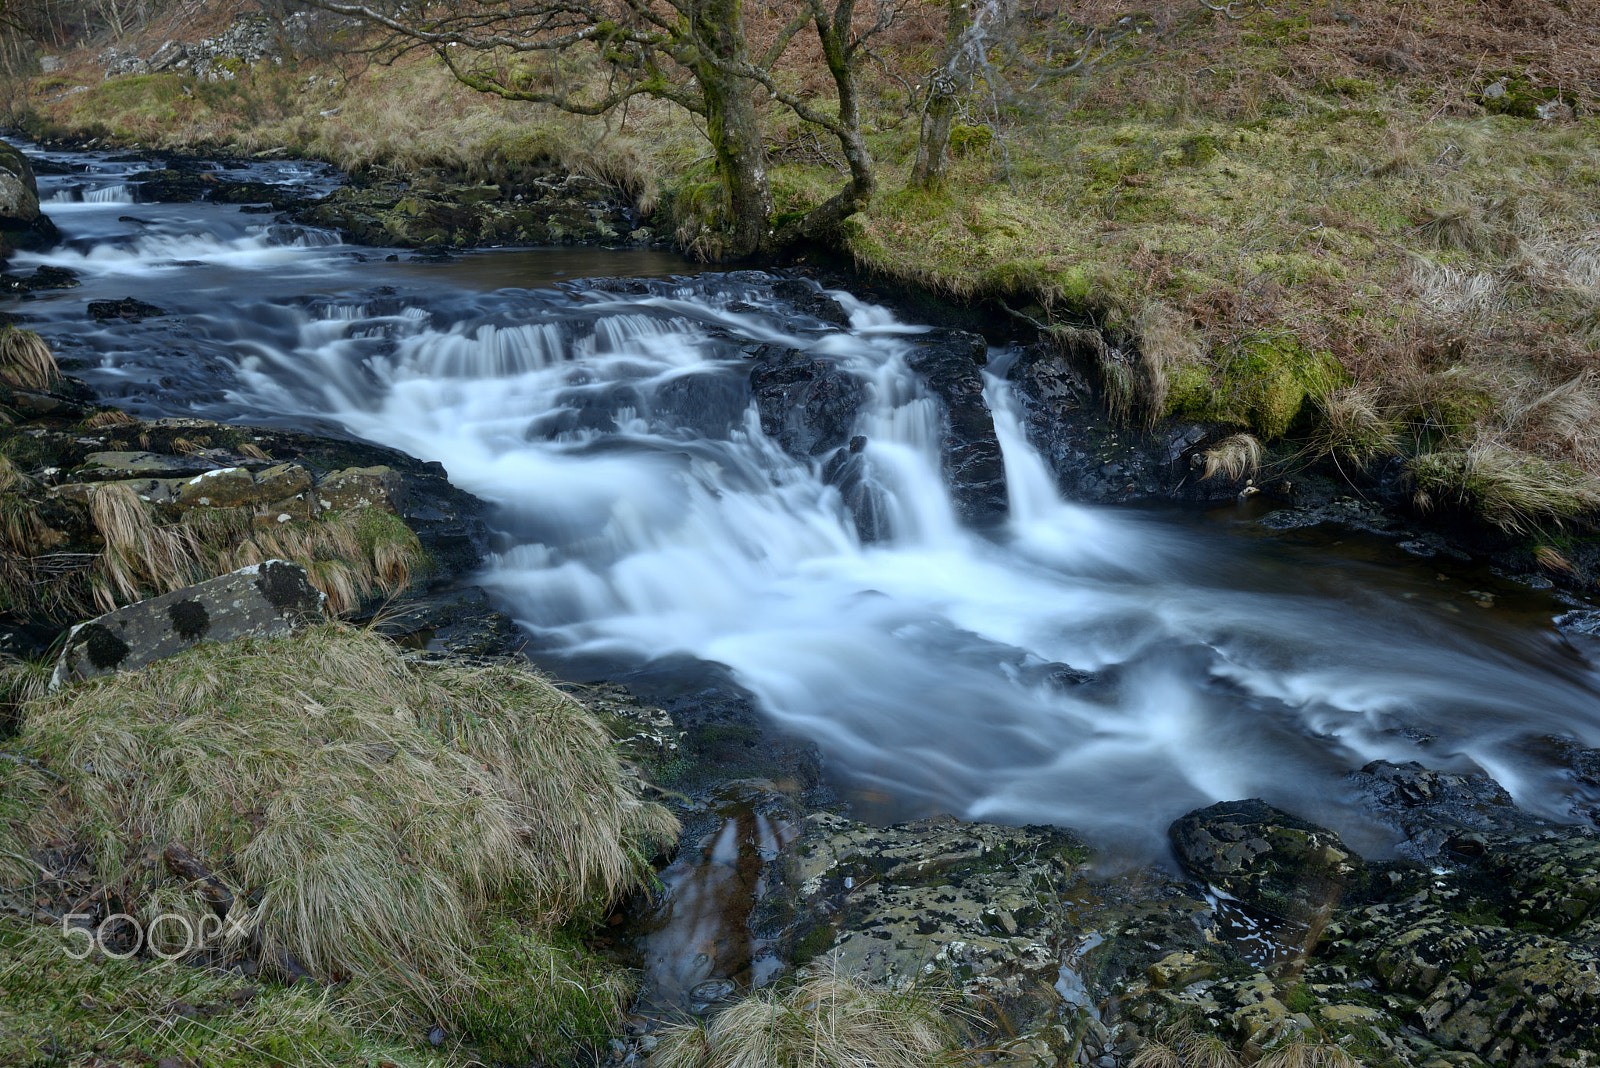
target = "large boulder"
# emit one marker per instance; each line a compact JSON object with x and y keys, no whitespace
{"x":951,"y":362}
{"x":266,"y":600}
{"x":22,"y":225}
{"x":1268,"y":858}
{"x":807,"y":403}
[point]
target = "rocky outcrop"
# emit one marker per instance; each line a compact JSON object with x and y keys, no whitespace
{"x":248,"y":40}
{"x":558,"y":210}
{"x":951,"y":362}
{"x":22,"y":224}
{"x":267,"y":600}
{"x":1094,"y":459}
{"x":807,"y":403}
{"x":1268,"y":858}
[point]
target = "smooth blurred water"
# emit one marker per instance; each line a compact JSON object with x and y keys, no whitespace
{"x":643,"y":514}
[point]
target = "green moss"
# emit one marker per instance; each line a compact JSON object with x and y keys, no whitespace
{"x":969,"y":140}
{"x":1268,"y":382}
{"x":545,"y":1000}
{"x":1200,"y":150}
{"x":1354,"y":88}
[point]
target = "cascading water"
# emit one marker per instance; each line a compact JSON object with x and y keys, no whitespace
{"x":1100,"y":669}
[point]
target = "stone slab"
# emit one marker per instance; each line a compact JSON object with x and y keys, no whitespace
{"x":266,"y":600}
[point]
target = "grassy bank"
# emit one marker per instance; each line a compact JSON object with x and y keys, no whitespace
{"x":416,"y":846}
{"x":1368,"y":231}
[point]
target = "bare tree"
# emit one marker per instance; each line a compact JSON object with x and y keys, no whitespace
{"x":979,"y":31}
{"x":694,"y":53}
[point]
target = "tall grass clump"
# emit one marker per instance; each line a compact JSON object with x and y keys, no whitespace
{"x":370,"y":818}
{"x":1354,"y":428}
{"x":1182,"y":1045}
{"x":1235,"y":457}
{"x":827,"y":1020}
{"x":1514,"y":490}
{"x":26,"y":362}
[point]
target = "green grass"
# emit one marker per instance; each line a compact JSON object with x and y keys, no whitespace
{"x":55,"y":1010}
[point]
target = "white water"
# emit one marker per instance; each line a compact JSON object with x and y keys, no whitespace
{"x":644,"y":514}
{"x":919,"y":663}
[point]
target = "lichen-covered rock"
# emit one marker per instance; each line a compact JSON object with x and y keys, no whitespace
{"x":266,"y":600}
{"x":22,"y":225}
{"x":1499,"y":955}
{"x":361,"y":487}
{"x":971,"y":901}
{"x":1268,"y":858}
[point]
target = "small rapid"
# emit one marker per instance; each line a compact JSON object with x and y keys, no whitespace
{"x":1101,"y":669}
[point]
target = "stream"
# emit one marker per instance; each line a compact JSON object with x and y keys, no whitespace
{"x":641,"y":514}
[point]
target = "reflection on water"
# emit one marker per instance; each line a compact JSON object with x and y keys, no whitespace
{"x":702,"y":940}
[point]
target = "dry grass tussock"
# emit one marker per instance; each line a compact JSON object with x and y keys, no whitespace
{"x":1184,"y":1046}
{"x":1513,"y":489}
{"x":826,"y":1020}
{"x":365,"y":812}
{"x":1235,"y":457}
{"x":349,"y":557}
{"x":26,"y":362}
{"x":1354,"y":428}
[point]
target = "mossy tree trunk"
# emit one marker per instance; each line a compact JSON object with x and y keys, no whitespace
{"x":733,"y":125}
{"x":938,"y":110}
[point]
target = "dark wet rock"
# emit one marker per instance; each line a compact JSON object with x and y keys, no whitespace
{"x":850,"y":470}
{"x":951,"y":362}
{"x":711,"y":404}
{"x":22,"y":224}
{"x":55,"y":406}
{"x":1267,"y":858}
{"x":266,"y":600}
{"x":809,"y":301}
{"x":1584,"y":622}
{"x":127,"y":308}
{"x":1094,"y":459}
{"x":42,"y":278}
{"x":456,"y":623}
{"x":807,"y":403}
{"x":555,"y":211}
{"x":170,"y":186}
{"x":1439,"y":812}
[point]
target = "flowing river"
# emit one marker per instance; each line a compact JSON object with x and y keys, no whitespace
{"x":642,"y":514}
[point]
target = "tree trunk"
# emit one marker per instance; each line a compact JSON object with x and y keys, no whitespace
{"x":825,"y":219}
{"x":735,"y":133}
{"x":734,"y":127}
{"x":933,"y":141}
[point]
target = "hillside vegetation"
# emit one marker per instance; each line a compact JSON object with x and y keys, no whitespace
{"x":1371,"y":230}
